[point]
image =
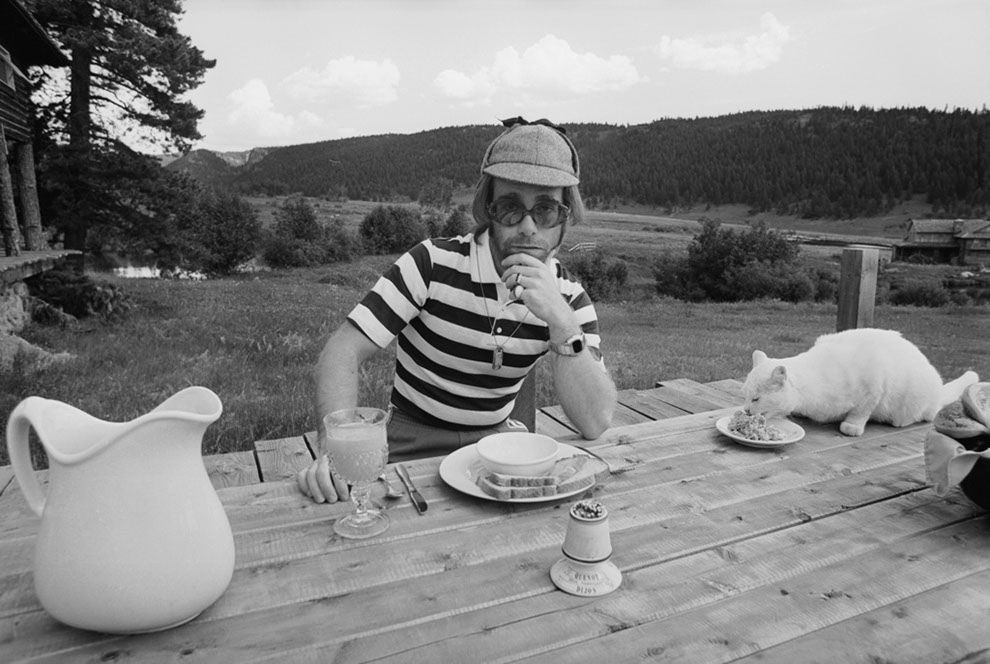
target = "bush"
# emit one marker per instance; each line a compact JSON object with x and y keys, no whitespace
{"x":432,"y":222}
{"x":299,"y":240}
{"x":338,"y":243}
{"x":826,"y":285}
{"x":296,"y":219}
{"x":224,"y":232}
{"x":763,"y":259}
{"x":757,"y":279}
{"x":391,"y":229}
{"x":920,"y":259}
{"x":458,"y":223}
{"x":79,"y":295}
{"x":437,"y":193}
{"x":279,"y":251}
{"x":603,"y":279}
{"x":920,"y":295}
{"x":960,"y":298}
{"x":672,"y":277}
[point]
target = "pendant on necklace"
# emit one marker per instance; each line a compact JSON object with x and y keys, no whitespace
{"x":497,"y":358}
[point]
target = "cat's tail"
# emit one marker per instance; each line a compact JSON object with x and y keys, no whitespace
{"x":953,"y":390}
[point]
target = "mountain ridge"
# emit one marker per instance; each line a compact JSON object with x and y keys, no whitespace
{"x":822,"y":162}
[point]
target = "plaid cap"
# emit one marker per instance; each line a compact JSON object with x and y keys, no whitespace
{"x":533,"y":154}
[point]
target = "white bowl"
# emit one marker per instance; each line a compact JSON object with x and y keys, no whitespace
{"x":518,"y":453}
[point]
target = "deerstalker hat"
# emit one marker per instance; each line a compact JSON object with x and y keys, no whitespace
{"x":536,"y":153}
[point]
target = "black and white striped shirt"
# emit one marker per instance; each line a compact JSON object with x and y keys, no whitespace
{"x":440,"y":299}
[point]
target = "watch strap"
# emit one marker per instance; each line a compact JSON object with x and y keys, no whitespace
{"x":571,"y":346}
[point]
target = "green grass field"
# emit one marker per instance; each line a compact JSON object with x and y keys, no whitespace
{"x":253,"y":338}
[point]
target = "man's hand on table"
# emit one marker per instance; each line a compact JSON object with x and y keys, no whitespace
{"x":318,"y":482}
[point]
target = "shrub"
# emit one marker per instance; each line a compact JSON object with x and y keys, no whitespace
{"x":432,"y":222}
{"x":296,"y":219}
{"x":920,"y":259}
{"x":299,"y":240}
{"x":458,"y":223}
{"x":672,"y":277}
{"x":437,"y":193}
{"x":920,"y":295}
{"x":225,"y":232}
{"x":826,"y":285}
{"x":281,"y":251}
{"x":79,"y":295}
{"x":391,"y":229}
{"x":960,"y":298}
{"x":339,"y":244}
{"x":758,"y":279}
{"x":602,"y":278}
{"x":717,"y":257}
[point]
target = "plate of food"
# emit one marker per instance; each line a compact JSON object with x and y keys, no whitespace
{"x":574,"y":471}
{"x":757,"y":431}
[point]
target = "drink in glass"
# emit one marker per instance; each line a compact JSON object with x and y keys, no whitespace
{"x":357,"y":446}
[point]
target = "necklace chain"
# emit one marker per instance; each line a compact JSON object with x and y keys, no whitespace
{"x":499,"y":351}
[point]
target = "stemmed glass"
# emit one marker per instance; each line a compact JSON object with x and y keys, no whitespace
{"x":357,"y":446}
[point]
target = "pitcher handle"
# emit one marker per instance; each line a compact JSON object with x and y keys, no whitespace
{"x":18,"y":427}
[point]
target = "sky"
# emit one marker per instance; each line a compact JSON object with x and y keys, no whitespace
{"x":302,"y":71}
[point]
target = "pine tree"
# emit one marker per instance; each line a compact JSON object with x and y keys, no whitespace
{"x":130,"y":69}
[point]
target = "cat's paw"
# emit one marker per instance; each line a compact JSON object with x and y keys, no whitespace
{"x":851,"y":429}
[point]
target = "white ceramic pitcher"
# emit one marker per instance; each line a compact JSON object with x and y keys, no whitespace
{"x":133,"y":537}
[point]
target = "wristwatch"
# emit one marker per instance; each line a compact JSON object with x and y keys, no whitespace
{"x":571,"y":346}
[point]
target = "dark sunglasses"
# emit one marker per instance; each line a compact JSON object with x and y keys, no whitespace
{"x":546,"y":214}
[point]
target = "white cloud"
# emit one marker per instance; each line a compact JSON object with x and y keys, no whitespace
{"x":254,"y":112}
{"x":739,"y":56}
{"x":549,"y":65}
{"x":456,"y":85}
{"x":364,"y":82}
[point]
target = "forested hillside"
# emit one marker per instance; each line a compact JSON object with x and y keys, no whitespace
{"x":824,"y":162}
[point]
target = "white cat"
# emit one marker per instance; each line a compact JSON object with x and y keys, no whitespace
{"x":852,"y":376}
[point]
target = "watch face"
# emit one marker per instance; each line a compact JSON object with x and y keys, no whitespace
{"x":572,"y":346}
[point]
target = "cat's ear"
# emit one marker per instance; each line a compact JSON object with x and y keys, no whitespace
{"x":759,"y":357}
{"x":778,"y":376}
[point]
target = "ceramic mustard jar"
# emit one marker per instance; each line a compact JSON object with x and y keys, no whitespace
{"x":133,"y":537}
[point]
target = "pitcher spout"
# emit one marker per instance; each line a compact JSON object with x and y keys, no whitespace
{"x":194,"y":403}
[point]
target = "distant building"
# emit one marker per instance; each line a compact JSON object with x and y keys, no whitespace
{"x":962,"y":241}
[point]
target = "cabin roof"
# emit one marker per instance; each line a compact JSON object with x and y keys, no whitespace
{"x":956,"y":227}
{"x":23,"y":36}
{"x":977,"y":232}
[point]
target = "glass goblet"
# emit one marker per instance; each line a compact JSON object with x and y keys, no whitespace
{"x":357,"y":447}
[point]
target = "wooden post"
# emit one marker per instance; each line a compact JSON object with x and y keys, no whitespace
{"x":857,"y":288}
{"x":8,"y":213}
{"x":34,"y":239}
{"x":525,"y":408}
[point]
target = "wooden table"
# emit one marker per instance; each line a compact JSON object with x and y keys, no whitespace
{"x":832,"y":549}
{"x":279,"y":459}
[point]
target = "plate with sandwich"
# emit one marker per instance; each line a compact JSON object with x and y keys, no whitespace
{"x":573,"y":471}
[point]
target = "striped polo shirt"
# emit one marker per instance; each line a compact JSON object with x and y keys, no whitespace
{"x":449,"y":308}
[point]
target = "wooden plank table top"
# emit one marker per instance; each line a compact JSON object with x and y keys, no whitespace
{"x":832,"y":549}
{"x":280,"y":459}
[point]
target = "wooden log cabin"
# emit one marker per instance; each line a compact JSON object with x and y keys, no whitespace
{"x":23,"y":43}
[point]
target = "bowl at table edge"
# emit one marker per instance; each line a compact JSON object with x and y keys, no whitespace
{"x":517,"y":453}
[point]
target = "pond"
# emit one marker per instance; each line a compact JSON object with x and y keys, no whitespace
{"x":145,"y":272}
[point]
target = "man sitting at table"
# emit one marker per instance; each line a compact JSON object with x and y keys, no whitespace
{"x":474,"y":313}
